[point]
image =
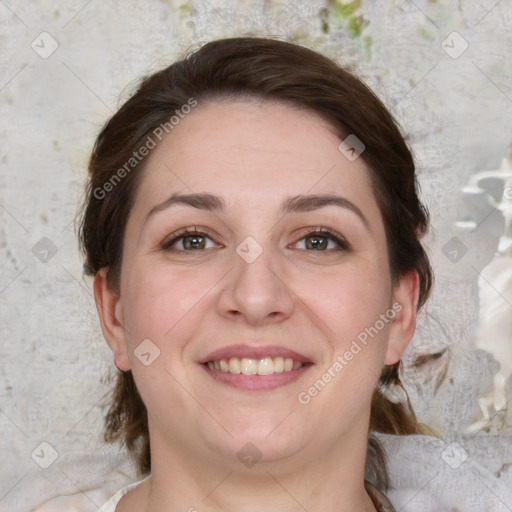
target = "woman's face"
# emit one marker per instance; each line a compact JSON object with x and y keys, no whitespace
{"x":285,"y":263}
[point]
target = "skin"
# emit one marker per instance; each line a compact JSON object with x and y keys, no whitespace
{"x":314,"y":301}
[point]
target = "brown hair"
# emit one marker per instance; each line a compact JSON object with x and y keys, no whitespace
{"x":238,"y":68}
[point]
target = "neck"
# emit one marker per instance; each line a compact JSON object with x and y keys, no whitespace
{"x":329,"y":482}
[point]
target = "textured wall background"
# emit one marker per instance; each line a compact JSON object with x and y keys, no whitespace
{"x":442,"y":67}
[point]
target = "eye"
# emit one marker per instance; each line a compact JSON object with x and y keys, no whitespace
{"x":318,"y":240}
{"x":188,"y":240}
{"x":194,"y":239}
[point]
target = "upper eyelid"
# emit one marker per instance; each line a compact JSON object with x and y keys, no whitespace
{"x":189,"y":231}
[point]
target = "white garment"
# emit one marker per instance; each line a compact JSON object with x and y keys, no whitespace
{"x":111,"y":504}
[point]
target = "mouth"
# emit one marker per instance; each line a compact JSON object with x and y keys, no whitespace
{"x":256,"y":369}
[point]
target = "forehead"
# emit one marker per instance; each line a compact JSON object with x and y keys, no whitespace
{"x":254,"y":154}
{"x":247,"y":143}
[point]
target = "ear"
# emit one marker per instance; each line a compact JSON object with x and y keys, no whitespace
{"x":403,"y":325}
{"x":108,"y":304}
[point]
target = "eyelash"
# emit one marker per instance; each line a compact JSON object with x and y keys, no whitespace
{"x":321,"y":232}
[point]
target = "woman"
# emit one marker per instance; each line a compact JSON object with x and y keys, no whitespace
{"x":253,"y":229}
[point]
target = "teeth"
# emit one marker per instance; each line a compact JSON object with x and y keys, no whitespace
{"x":234,"y":365}
{"x":266,"y":366}
{"x":248,"y":366}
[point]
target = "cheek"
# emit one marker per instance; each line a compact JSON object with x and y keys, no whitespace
{"x":347,"y":299}
{"x":357,"y":340}
{"x":163,"y":306}
{"x":161,"y":302}
{"x":351,"y":305}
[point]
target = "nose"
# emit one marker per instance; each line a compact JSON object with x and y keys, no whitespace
{"x":257,"y":292}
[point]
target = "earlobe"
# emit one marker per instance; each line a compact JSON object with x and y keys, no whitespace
{"x":405,"y":296}
{"x":110,"y":311}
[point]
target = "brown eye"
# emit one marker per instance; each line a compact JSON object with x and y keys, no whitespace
{"x":319,"y":241}
{"x":188,"y":240}
{"x":194,"y":242}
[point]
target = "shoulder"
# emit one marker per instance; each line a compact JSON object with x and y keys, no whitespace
{"x":136,"y":491}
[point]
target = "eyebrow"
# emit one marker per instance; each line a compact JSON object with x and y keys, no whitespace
{"x":293,"y":204}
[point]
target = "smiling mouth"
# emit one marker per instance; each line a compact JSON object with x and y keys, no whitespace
{"x":250,"y":366}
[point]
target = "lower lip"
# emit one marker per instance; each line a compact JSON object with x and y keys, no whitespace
{"x":256,"y":382}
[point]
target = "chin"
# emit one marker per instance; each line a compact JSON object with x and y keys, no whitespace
{"x":266,"y":439}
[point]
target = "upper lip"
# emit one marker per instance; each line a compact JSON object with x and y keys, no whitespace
{"x":253,"y":352}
